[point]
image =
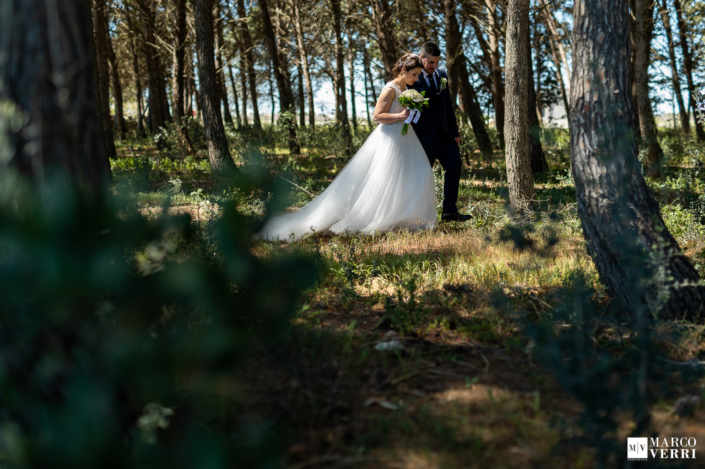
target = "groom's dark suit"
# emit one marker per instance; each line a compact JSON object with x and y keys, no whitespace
{"x":437,"y":129}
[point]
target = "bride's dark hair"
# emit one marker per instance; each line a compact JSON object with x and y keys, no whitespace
{"x":407,"y":62}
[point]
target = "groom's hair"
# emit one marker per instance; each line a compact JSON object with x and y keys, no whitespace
{"x":430,"y":48}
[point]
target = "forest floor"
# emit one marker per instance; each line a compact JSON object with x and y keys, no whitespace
{"x":414,"y":350}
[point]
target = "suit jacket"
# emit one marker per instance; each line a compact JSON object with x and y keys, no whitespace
{"x":439,"y":116}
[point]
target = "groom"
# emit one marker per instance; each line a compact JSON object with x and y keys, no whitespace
{"x":437,"y":128}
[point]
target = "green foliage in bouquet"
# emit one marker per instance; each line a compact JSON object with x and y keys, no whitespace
{"x":118,"y":351}
{"x":414,"y":101}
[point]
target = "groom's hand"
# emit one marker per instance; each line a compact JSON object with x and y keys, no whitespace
{"x":457,"y":141}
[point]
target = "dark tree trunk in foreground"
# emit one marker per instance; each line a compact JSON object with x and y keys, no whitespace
{"x":459,"y":79}
{"x":644,"y":18}
{"x":101,"y":44}
{"x":51,"y":78}
{"x":179,"y":83}
{"x":688,"y":67}
{"x":250,"y":59}
{"x":537,"y":157}
{"x":621,"y":220}
{"x":286,"y":97}
{"x":516,"y":126}
{"x":384,"y":28}
{"x":157,"y":92}
{"x":675,"y":79}
{"x":342,"y":102}
{"x":218,"y":151}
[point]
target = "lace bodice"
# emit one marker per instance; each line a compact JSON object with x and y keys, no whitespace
{"x":396,"y":106}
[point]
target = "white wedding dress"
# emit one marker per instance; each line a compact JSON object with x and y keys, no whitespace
{"x":387,"y":185}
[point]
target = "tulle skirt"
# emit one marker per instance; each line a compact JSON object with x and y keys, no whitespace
{"x":387,"y":185}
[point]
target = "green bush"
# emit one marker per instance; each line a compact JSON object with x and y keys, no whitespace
{"x":112,"y":353}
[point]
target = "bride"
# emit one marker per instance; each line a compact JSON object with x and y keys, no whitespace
{"x":387,"y":185}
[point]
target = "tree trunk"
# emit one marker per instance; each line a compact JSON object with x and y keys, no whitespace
{"x":136,"y":71}
{"x":537,"y":157}
{"x":675,"y":79}
{"x":49,"y":69}
{"x":250,"y":61}
{"x":553,"y":42}
{"x":220,"y":65}
{"x":303,"y":58}
{"x":342,"y":108}
{"x":384,"y":28}
{"x":117,"y":90}
{"x":157,"y":93}
{"x":286,"y":97}
{"x":178,"y":85}
{"x":555,"y":38}
{"x":218,"y":151}
{"x":459,"y":79}
{"x":235,"y":98}
{"x":302,"y":96}
{"x":644,"y":16}
{"x":367,"y":96}
{"x":498,"y":93}
{"x":632,"y":76}
{"x":519,"y":177}
{"x":688,"y":67}
{"x":243,"y":87}
{"x":102,"y":54}
{"x":621,"y":220}
{"x":352,"y":55}
{"x":368,"y":70}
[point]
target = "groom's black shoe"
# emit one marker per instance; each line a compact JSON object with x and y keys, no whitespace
{"x":455,"y":217}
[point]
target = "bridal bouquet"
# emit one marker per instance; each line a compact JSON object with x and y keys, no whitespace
{"x":412,"y":99}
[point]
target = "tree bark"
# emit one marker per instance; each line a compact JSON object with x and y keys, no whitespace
{"x":117,"y":89}
{"x":220,"y":65}
{"x":459,"y":79}
{"x":250,"y":61}
{"x":675,"y":79}
{"x":302,"y":95}
{"x":243,"y":87}
{"x":136,"y":72}
{"x":157,"y":92}
{"x":235,"y":97}
{"x":303,"y":58}
{"x":621,"y":220}
{"x":558,"y":58}
{"x":498,"y":91}
{"x":688,"y":67}
{"x":102,"y":54}
{"x":49,"y":73}
{"x":537,"y":158}
{"x":178,"y":85}
{"x":281,"y":75}
{"x":519,"y":177}
{"x":644,"y":17}
{"x":384,"y":28}
{"x":352,"y":55}
{"x":218,"y":151}
{"x":342,"y":102}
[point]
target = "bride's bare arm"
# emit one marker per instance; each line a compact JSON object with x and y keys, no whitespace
{"x":382,"y":116}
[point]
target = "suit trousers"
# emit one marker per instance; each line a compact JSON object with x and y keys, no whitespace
{"x":444,"y":149}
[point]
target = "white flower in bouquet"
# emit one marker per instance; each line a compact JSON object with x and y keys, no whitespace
{"x":415,"y":101}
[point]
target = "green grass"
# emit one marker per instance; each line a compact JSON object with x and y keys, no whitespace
{"x":466,"y":390}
